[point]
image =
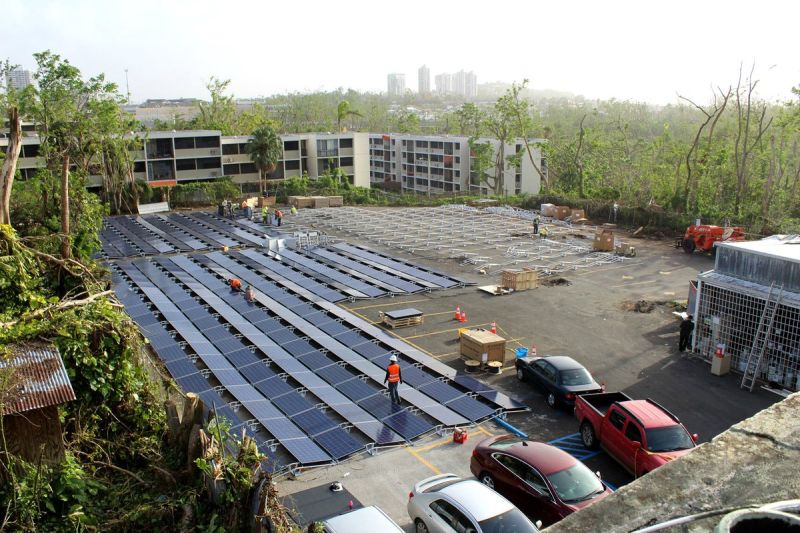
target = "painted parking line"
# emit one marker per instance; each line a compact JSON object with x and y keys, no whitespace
{"x":573,"y":445}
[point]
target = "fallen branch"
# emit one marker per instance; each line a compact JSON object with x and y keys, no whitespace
{"x":60,"y":306}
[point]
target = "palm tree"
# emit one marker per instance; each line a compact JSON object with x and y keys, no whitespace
{"x":265,"y":149}
{"x":342,"y":112}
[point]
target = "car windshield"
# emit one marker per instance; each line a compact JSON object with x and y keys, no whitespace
{"x":668,"y":439}
{"x":506,"y":443}
{"x":512,"y":521}
{"x":575,"y":376}
{"x":576,"y":483}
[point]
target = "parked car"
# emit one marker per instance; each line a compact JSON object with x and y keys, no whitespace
{"x":447,"y":503}
{"x":561,"y":378}
{"x":639,"y":434}
{"x":544,"y":482}
{"x":365,"y":520}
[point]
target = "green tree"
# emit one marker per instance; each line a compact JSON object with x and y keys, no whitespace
{"x":343,"y":112}
{"x":73,"y":117}
{"x":265,"y":149}
{"x":220,"y":112}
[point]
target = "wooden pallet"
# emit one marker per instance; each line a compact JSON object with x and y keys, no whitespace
{"x":401,"y":322}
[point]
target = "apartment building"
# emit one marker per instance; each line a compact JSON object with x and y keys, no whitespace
{"x":444,"y":84}
{"x":424,"y":80}
{"x":396,"y":84}
{"x":18,"y":78}
{"x":442,"y":164}
{"x":165,"y":158}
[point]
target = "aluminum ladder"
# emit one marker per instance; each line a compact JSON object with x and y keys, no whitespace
{"x":761,"y":338}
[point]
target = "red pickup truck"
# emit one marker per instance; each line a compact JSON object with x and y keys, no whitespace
{"x":639,"y":434}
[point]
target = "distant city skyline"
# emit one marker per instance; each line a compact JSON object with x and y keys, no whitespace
{"x":625,"y":50}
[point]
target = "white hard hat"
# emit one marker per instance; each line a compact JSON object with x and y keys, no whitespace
{"x":393,"y":359}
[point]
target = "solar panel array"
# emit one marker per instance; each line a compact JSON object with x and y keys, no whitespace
{"x":299,"y":374}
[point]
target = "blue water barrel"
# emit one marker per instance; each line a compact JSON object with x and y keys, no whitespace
{"x":522,"y":352}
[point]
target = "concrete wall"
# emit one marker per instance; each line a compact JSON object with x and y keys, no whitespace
{"x":361,"y":159}
{"x":754,"y":462}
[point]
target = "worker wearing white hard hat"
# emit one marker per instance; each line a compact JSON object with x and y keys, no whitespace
{"x":394,"y":378}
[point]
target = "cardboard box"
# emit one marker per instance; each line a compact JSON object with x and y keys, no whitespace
{"x":603,"y":241}
{"x":576,"y":214}
{"x":335,"y":201}
{"x":476,"y":342}
{"x":548,"y":210}
{"x":562,"y":212}
{"x":301,"y":201}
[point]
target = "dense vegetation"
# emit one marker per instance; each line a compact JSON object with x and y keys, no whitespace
{"x":734,"y":157}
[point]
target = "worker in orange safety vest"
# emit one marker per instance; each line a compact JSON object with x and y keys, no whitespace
{"x":235,"y":284}
{"x":394,"y":377}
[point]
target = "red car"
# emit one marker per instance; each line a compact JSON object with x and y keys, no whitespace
{"x":546,"y":483}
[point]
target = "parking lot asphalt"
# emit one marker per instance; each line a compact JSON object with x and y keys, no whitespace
{"x":589,"y":319}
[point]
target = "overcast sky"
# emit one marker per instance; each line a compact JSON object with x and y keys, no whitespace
{"x":629,"y":50}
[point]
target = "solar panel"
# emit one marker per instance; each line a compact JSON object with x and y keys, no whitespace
{"x":338,"y":443}
{"x":408,"y":425}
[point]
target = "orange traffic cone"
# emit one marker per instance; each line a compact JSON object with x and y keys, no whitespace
{"x":458,"y":313}
{"x":463,"y":316}
{"x":494,"y":327}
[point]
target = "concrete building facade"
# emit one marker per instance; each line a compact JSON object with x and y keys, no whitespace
{"x":396,"y":84}
{"x":425,"y":164}
{"x":444,"y":84}
{"x":18,"y":79}
{"x":424,"y":80}
{"x":442,"y":164}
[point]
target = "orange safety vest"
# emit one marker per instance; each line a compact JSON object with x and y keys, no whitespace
{"x":236,"y":284}
{"x":394,"y":373}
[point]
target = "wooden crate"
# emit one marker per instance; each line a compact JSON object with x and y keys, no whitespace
{"x":336,"y":201}
{"x":562,"y":212}
{"x":520,"y":279}
{"x":301,"y":201}
{"x":266,"y":200}
{"x":476,"y":342}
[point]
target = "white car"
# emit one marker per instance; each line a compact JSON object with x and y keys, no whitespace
{"x":447,"y":503}
{"x":365,"y":520}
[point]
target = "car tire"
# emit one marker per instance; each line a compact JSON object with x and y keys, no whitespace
{"x":688,"y":246}
{"x":551,"y":400}
{"x":520,"y":374}
{"x":588,"y":436}
{"x":419,"y":526}
{"x":487,"y":480}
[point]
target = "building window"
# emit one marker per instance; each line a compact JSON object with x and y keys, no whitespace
{"x":345,"y":162}
{"x":291,"y":145}
{"x":230,"y":149}
{"x":139,"y":166}
{"x":248,"y":168}
{"x":345,"y":143}
{"x":206,"y":142}
{"x":208,"y":162}
{"x":29,"y":150}
{"x":185,"y":164}
{"x":293,"y":164}
{"x":184,"y":143}
{"x":231,"y":170}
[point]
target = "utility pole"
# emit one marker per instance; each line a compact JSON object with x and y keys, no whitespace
{"x":127,"y":88}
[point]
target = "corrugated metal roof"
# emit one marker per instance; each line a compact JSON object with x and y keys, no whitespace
{"x":756,"y":290}
{"x":38,"y":378}
{"x":786,"y":247}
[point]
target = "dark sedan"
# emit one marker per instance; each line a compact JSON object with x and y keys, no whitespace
{"x":561,"y":378}
{"x":544,"y":482}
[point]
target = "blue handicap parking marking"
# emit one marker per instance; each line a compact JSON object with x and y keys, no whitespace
{"x":573,"y":445}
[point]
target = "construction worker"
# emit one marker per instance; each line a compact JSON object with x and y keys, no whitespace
{"x":536,"y":225}
{"x":394,"y":377}
{"x":687,"y":328}
{"x":293,"y":210}
{"x":265,"y":215}
{"x":249,"y":294}
{"x":543,"y":233}
{"x":235,"y":284}
{"x":278,"y":217}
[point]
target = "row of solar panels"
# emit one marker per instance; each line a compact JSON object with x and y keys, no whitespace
{"x":352,"y":271}
{"x":295,"y":371}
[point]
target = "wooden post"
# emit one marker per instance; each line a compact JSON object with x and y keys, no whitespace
{"x":173,"y":422}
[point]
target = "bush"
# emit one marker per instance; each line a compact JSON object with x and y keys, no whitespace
{"x":203,"y":193}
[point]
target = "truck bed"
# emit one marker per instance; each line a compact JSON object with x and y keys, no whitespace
{"x":600,"y":402}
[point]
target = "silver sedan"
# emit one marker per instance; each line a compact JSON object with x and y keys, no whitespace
{"x":447,"y":504}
